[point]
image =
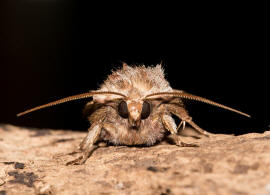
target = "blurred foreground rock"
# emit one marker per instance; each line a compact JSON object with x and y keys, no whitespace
{"x":33,"y":162}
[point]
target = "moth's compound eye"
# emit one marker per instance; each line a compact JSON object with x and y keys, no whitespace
{"x":123,"y":109}
{"x":146,"y":109}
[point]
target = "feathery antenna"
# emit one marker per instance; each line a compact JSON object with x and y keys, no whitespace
{"x":71,"y":98}
{"x":185,"y":95}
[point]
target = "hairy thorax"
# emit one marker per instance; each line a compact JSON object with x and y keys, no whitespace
{"x":134,"y":82}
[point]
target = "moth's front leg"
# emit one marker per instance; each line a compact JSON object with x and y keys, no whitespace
{"x":170,"y":125}
{"x":181,"y":113}
{"x":88,"y":145}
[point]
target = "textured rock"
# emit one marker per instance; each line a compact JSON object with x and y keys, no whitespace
{"x":33,"y":162}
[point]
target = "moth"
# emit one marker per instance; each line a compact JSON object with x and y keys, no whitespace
{"x":134,"y":106}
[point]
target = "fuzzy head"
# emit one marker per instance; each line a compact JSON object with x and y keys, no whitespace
{"x":135,"y":83}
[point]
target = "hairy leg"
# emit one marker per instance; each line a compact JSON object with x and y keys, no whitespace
{"x":88,"y":144}
{"x":181,"y":113}
{"x":170,"y":125}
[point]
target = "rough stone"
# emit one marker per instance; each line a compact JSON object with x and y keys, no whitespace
{"x":222,"y":164}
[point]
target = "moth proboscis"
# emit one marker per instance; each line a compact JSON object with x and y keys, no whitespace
{"x":134,"y":106}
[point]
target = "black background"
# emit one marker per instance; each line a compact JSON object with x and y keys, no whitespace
{"x":54,"y":49}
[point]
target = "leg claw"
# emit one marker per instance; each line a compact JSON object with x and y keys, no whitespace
{"x":79,"y":161}
{"x":183,"y":144}
{"x":74,"y":162}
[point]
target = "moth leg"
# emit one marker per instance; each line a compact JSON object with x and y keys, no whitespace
{"x":88,"y":144}
{"x":82,"y":159}
{"x":170,"y":125}
{"x":198,"y":129}
{"x":183,"y":115}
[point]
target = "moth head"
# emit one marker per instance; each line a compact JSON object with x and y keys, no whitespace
{"x":134,"y":111}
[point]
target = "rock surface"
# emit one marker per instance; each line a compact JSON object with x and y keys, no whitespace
{"x":33,"y":161}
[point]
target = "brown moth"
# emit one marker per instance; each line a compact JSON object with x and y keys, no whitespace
{"x":134,"y":106}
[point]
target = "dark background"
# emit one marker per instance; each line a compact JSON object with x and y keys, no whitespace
{"x":54,"y":49}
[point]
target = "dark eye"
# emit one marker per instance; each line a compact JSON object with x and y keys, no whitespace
{"x":146,"y":109}
{"x":123,"y":109}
